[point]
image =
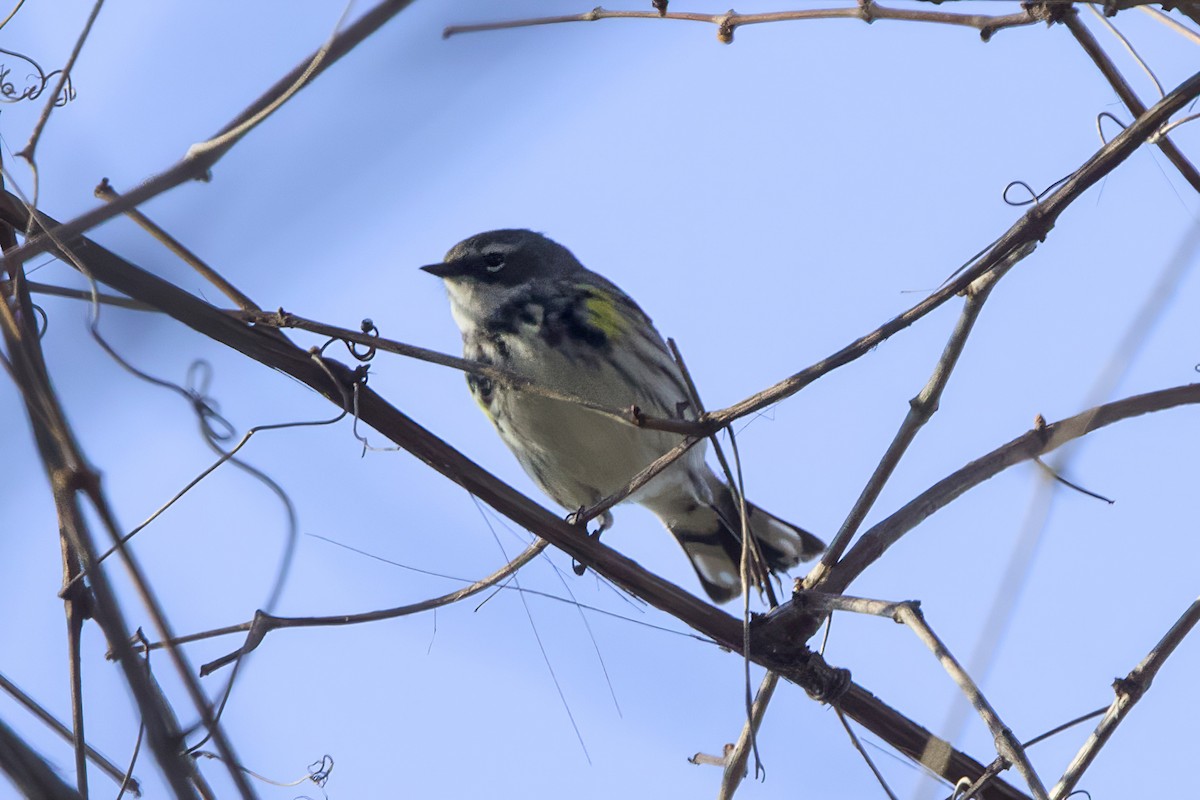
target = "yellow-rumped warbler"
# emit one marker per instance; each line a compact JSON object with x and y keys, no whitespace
{"x":526,"y":304}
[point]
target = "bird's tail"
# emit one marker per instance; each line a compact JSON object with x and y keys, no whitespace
{"x":711,"y":535}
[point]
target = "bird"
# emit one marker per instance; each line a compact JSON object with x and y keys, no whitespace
{"x":525,"y":304}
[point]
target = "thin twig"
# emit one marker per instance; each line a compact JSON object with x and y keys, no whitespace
{"x":629,"y":416}
{"x":195,"y":165}
{"x":735,"y":759}
{"x":1000,"y":764}
{"x":1007,"y":745}
{"x":28,"y":771}
{"x":781,"y":624}
{"x":263,"y":623}
{"x":1128,"y":690}
{"x":867,"y":11}
{"x":752,"y":571}
{"x":1128,"y":47}
{"x":80,"y":294}
{"x":1033,"y":226}
{"x":106,"y":192}
{"x":921,"y":409}
{"x":27,"y":152}
{"x":1172,"y":23}
{"x":33,"y":707}
{"x":862,"y":752}
{"x":1109,"y":70}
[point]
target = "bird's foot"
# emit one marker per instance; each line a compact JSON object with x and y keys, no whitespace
{"x":574,"y":518}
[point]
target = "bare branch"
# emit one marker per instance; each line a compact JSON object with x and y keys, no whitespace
{"x":1109,"y":70}
{"x":1128,"y":690}
{"x":862,"y":752}
{"x":263,"y":623}
{"x":195,"y":165}
{"x":920,"y":410}
{"x":106,"y":192}
{"x":867,"y":11}
{"x":32,"y":776}
{"x":1036,"y":442}
{"x":27,"y":152}
{"x":49,"y":720}
{"x":1032,"y":227}
{"x":735,"y":759}
{"x":629,"y":416}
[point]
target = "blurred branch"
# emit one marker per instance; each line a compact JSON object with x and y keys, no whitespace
{"x":69,"y":476}
{"x":1128,"y":690}
{"x":1109,"y":70}
{"x":866,"y":10}
{"x":909,"y":614}
{"x":79,"y":294}
{"x":1189,"y":8}
{"x":1173,"y":23}
{"x":106,"y":192}
{"x":50,"y":721}
{"x":28,"y":771}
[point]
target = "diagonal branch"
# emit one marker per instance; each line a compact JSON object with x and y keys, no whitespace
{"x":195,"y":165}
{"x":1109,"y":70}
{"x":793,"y":620}
{"x":1129,"y":690}
{"x":921,"y":410}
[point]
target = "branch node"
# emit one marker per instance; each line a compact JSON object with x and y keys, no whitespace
{"x":637,"y":416}
{"x":1131,"y":687}
{"x":725,"y":27}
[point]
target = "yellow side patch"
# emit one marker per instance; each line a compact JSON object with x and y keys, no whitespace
{"x":604,"y":314}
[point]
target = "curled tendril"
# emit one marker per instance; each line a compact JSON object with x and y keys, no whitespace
{"x":9,"y":93}
{"x":215,"y":427}
{"x":369,"y":328}
{"x":1034,"y":197}
{"x":318,"y":772}
{"x":1103,"y":115}
{"x":43,"y":320}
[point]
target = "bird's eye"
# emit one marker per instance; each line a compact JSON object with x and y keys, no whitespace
{"x":494,"y":261}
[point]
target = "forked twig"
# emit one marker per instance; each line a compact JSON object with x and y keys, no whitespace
{"x":921,"y":409}
{"x":1128,"y":690}
{"x":867,"y":11}
{"x":909,"y":613}
{"x":1109,"y":70}
{"x":106,"y":192}
{"x":33,"y":707}
{"x":263,"y":623}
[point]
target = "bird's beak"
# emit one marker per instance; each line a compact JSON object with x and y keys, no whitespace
{"x":447,"y":269}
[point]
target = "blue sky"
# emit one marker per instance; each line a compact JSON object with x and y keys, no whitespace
{"x":766,"y":203}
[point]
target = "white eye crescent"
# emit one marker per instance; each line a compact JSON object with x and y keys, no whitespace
{"x":494,"y":262}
